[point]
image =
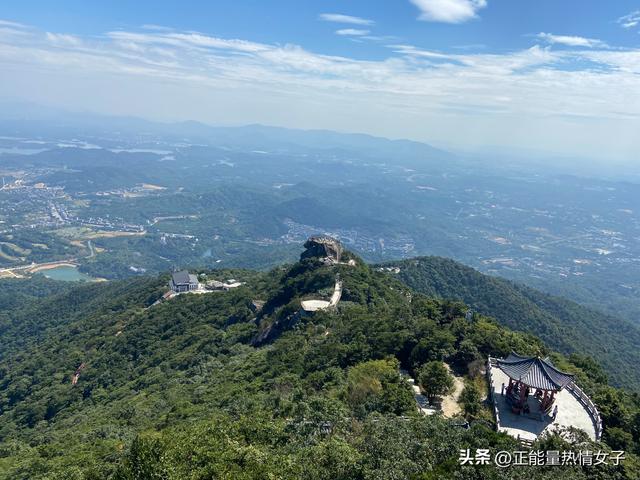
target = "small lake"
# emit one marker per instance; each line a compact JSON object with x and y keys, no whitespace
{"x":66,"y":274}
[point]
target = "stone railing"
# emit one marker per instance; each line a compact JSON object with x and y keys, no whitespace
{"x":490,"y":363}
{"x":584,"y":399}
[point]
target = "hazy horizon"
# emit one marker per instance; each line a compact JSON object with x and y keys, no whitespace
{"x":515,"y":155}
{"x":457,"y":74}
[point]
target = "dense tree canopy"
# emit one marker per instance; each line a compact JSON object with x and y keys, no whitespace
{"x":563,"y":325}
{"x":207,"y":386}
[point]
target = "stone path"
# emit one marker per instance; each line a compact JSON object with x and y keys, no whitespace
{"x":450,"y":406}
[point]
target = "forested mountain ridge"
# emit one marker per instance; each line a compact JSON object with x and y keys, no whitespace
{"x":562,"y":324}
{"x":181,"y":389}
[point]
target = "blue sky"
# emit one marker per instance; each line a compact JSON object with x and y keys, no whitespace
{"x":559,"y":76}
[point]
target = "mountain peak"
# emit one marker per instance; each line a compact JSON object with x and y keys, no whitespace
{"x":324,"y":247}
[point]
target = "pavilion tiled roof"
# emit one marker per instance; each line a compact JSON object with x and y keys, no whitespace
{"x":535,"y":372}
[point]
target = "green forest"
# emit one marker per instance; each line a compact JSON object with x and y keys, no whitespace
{"x":241,"y":385}
{"x":560,"y":323}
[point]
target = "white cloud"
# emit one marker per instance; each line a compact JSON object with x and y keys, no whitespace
{"x":571,"y":41}
{"x":414,"y":51}
{"x":340,"y":18}
{"x":63,"y":39}
{"x":152,"y":26}
{"x":6,"y":23}
{"x":10,"y":30}
{"x":448,"y":11}
{"x":352,"y":31}
{"x":190,"y":39}
{"x":381,"y":38}
{"x":631,"y":20}
{"x":575,"y":100}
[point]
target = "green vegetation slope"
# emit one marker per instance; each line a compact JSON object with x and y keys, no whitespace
{"x":562,"y":324}
{"x":207,"y":386}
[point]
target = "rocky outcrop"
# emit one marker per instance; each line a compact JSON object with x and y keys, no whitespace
{"x":322,"y":247}
{"x":272,"y":331}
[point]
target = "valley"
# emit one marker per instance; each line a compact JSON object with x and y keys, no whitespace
{"x":221,"y":198}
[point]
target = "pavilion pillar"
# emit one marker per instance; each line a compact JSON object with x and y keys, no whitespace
{"x":545,"y":400}
{"x":522,"y":390}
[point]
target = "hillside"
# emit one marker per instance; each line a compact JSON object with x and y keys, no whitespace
{"x":562,"y":324}
{"x":211,"y":386}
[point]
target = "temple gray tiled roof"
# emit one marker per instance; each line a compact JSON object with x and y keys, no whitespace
{"x":535,"y":372}
{"x":183,"y":278}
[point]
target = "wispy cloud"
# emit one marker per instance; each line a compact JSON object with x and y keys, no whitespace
{"x":412,"y":91}
{"x":448,"y":11}
{"x":152,"y":26}
{"x":381,"y":38}
{"x":340,"y":18}
{"x":470,"y":46}
{"x":10,"y":30}
{"x":352,"y":32}
{"x":631,"y":20}
{"x":417,"y":52}
{"x":7,"y":23}
{"x":63,"y":39}
{"x":571,"y":41}
{"x":189,"y":39}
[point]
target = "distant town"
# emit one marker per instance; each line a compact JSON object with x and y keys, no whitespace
{"x":180,"y":204}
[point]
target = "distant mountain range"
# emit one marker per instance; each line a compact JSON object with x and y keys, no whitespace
{"x":29,"y":119}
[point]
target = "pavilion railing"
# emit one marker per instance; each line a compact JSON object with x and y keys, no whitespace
{"x":584,"y":399}
{"x":490,"y":363}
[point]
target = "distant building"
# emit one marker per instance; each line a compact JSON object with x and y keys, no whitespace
{"x":183,"y":282}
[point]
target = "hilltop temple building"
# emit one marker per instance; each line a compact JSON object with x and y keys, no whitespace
{"x":183,"y":281}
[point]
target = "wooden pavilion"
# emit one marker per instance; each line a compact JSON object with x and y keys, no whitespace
{"x":532,"y":373}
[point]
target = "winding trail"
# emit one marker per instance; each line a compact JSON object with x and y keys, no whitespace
{"x":450,"y":406}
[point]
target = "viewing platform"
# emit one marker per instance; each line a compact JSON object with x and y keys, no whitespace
{"x":315,"y":305}
{"x":573,"y":406}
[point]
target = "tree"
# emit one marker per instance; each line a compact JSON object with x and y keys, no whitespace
{"x":437,"y":345}
{"x":376,"y":385}
{"x":467,"y":353}
{"x":363,"y":381}
{"x":470,"y":399}
{"x":619,"y":439}
{"x":435,"y":379}
{"x":334,"y":459}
